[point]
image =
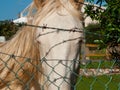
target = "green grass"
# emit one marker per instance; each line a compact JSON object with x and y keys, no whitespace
{"x":99,"y":64}
{"x":104,"y":82}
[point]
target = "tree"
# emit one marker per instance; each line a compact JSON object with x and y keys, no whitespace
{"x":8,"y":29}
{"x":109,"y":20}
{"x":93,"y":29}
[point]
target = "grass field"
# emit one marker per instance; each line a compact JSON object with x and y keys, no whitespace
{"x":99,"y":64}
{"x":102,"y":82}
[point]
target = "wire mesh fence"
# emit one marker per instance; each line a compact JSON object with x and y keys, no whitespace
{"x":94,"y":75}
{"x":24,"y":73}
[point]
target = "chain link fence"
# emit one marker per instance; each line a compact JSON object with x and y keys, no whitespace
{"x":94,"y":75}
{"x":23,"y":73}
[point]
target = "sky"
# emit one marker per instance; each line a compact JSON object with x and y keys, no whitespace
{"x":9,"y":9}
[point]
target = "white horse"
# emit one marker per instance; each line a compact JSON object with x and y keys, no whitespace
{"x":52,"y":52}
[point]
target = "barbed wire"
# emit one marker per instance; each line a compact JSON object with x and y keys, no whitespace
{"x":80,"y":30}
{"x":64,"y":41}
{"x":75,"y":29}
{"x":101,"y":35}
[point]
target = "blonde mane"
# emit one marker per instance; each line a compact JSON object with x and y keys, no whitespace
{"x":14,"y":54}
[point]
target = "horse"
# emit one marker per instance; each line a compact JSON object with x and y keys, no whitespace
{"x":44,"y":58}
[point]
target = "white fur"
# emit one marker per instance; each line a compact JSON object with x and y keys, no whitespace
{"x":52,"y":44}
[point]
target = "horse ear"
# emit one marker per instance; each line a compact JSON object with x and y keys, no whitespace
{"x":81,"y":3}
{"x":38,"y":3}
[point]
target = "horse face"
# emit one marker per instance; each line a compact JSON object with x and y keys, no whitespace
{"x":56,"y":44}
{"x":59,"y":48}
{"x":59,"y":45}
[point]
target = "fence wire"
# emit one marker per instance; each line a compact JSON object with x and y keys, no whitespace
{"x":97,"y":75}
{"x":94,"y":75}
{"x":79,"y":30}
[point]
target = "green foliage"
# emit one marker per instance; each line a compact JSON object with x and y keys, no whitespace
{"x":8,"y":29}
{"x":93,"y":30}
{"x":92,"y":12}
{"x":108,"y":18}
